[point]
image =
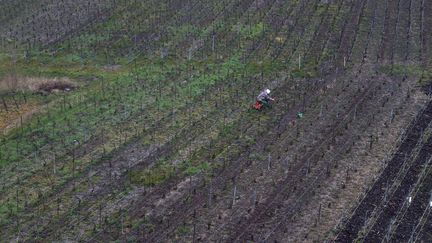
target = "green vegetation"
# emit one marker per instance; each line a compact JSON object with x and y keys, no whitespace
{"x":175,"y":79}
{"x":400,"y":70}
{"x":152,"y":176}
{"x":183,"y":230}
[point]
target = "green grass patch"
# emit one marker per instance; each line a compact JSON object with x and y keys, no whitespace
{"x":183,"y":230}
{"x":249,"y":31}
{"x":152,"y":176}
{"x":400,"y":70}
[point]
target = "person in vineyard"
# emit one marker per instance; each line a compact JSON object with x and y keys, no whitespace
{"x":263,"y":99}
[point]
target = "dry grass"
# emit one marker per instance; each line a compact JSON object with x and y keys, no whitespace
{"x":14,"y":83}
{"x":10,"y":119}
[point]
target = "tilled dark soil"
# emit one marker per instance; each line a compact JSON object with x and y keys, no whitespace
{"x":409,"y":224}
{"x":426,"y":230}
{"x":375,"y":194}
{"x":378,"y":232}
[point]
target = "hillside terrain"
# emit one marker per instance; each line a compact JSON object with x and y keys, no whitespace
{"x":131,"y":121}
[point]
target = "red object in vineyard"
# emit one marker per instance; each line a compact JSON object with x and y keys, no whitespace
{"x":257,"y":106}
